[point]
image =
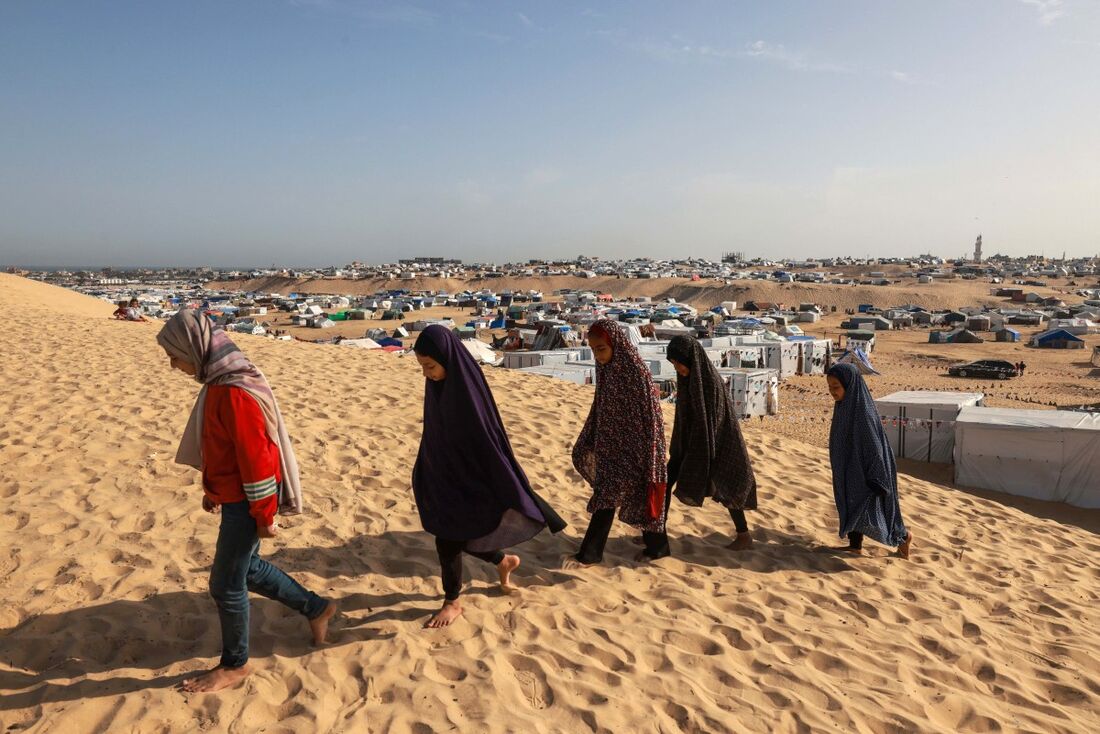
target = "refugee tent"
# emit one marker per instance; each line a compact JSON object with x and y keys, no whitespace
{"x":745,"y":357}
{"x":878,"y":323}
{"x":965,"y":336}
{"x":780,"y":355}
{"x":400,"y":333}
{"x":1006,"y":334}
{"x":537,"y":358}
{"x":815,"y":355}
{"x":1096,"y":356}
{"x":1076,"y":327}
{"x":859,"y":358}
{"x":549,"y":337}
{"x":979,"y":323}
{"x":1048,"y":455}
{"x":363,"y":343}
{"x":920,"y":424}
{"x":1057,"y":339}
{"x":575,"y":372}
{"x":754,"y":391}
{"x":481,"y":352}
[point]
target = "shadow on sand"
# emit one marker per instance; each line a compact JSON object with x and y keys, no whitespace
{"x":149,"y":634}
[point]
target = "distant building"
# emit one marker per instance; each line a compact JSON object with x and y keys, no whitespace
{"x":978,"y":250}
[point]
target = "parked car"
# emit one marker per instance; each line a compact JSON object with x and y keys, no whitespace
{"x":997,"y":369}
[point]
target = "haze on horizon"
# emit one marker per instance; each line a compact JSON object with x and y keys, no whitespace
{"x":315,"y":132}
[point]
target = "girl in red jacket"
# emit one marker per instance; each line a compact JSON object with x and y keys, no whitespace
{"x":237,"y":438}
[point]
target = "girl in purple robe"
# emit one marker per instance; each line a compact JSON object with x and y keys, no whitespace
{"x":470,"y":491}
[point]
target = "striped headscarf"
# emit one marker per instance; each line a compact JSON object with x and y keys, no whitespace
{"x":191,"y":337}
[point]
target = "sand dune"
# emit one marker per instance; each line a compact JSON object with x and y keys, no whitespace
{"x":992,"y":626}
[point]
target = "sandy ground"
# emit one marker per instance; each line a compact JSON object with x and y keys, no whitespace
{"x":991,"y":627}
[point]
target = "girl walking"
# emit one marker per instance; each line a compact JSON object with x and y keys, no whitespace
{"x":237,"y":439}
{"x":707,"y":457}
{"x":470,"y":491}
{"x":865,"y":478}
{"x":621,"y":449}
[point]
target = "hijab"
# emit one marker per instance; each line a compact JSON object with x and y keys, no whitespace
{"x":708,"y":457}
{"x":191,"y":337}
{"x":621,"y":449}
{"x":466,"y":478}
{"x":863,"y":464}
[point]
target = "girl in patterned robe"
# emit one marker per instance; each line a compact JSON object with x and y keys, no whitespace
{"x":621,"y":449}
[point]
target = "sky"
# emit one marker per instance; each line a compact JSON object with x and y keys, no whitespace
{"x":317,"y":132}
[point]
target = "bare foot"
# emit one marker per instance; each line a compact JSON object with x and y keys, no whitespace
{"x":450,"y":611}
{"x":903,"y":549}
{"x":743,"y":541}
{"x":217,"y":679}
{"x":319,"y":625}
{"x":505,"y":568}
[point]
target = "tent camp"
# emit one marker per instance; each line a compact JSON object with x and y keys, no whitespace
{"x":1057,"y":339}
{"x":921,"y":423}
{"x":1043,"y":454}
{"x":860,"y":359}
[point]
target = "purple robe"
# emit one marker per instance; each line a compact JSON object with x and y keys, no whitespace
{"x":467,"y":482}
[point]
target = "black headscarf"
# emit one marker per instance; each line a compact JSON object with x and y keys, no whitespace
{"x":865,"y":477}
{"x":466,"y":480}
{"x":708,"y":457}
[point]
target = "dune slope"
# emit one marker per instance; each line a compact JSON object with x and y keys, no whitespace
{"x":992,"y":626}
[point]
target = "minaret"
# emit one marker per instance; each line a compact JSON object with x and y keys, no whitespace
{"x":978,"y":249}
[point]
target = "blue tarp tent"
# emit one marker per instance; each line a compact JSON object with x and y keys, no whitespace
{"x":1057,"y":339}
{"x":389,"y":341}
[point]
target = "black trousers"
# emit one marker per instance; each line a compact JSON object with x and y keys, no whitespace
{"x":450,"y":562}
{"x":656,"y":544}
{"x":855,"y":541}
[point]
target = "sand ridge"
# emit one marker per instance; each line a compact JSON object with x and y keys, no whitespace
{"x":992,"y":626}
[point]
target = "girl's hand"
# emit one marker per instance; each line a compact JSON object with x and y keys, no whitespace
{"x":208,"y":505}
{"x":266,"y":532}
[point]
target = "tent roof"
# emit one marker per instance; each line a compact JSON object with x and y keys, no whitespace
{"x":1057,"y":334}
{"x":1037,"y":419}
{"x":932,"y":398}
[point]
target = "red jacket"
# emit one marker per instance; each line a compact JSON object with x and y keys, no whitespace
{"x":240,"y":460}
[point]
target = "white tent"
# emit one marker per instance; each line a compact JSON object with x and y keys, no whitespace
{"x":921,"y":424}
{"x":481,"y":352}
{"x":363,"y":343}
{"x":1043,"y":454}
{"x":754,"y":391}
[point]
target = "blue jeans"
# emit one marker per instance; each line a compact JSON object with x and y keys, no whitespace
{"x":239,"y":569}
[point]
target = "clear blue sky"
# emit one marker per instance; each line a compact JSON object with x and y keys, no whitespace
{"x":321,"y":131}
